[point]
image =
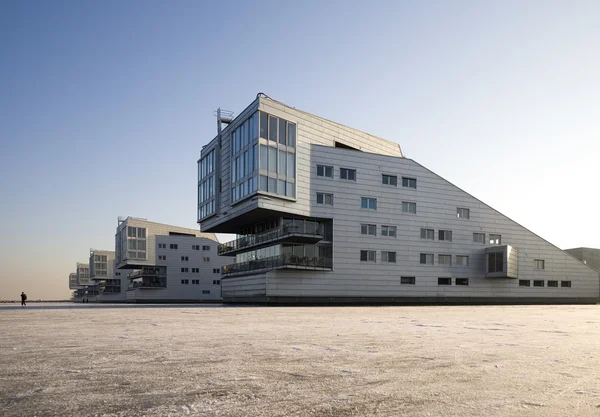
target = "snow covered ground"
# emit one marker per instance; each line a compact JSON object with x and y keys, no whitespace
{"x":80,"y":360}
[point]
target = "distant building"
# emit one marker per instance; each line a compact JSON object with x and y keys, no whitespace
{"x":589,"y":256}
{"x":86,"y":288}
{"x":328,"y":214}
{"x":73,"y":281}
{"x":111,"y":284}
{"x":168,"y":263}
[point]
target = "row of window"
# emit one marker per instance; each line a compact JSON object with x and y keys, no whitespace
{"x":176,"y":246}
{"x":197,"y":270}
{"x":326,"y":171}
{"x":540,"y":283}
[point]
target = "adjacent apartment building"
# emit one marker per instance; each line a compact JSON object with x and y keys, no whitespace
{"x":85,"y":288}
{"x":168,"y":263}
{"x":324,"y":213}
{"x":111,"y":284}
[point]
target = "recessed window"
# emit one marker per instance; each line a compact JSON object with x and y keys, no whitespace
{"x":162,"y":258}
{"x":195,"y":247}
{"x":368,"y":203}
{"x":407,"y":280}
{"x":495,"y":239}
{"x":462,"y":260}
{"x":553,"y":284}
{"x":348,"y":174}
{"x":162,"y":246}
{"x":524,"y":283}
{"x":463,"y":213}
{"x":388,"y":256}
{"x":367,"y":256}
{"x":195,"y":282}
{"x":185,"y":281}
{"x":206,"y":247}
{"x":427,"y":234}
{"x":204,"y":292}
{"x":445,"y":259}
{"x":539,"y":264}
{"x":185,"y":258}
{"x":216,"y":282}
{"x":565,"y":284}
{"x":389,"y":180}
{"x":479,"y":238}
{"x":426,"y":258}
{"x":408,"y":207}
{"x":324,"y":198}
{"x":462,"y":281}
{"x":325,"y":171}
{"x":388,"y":231}
{"x":173,"y":246}
{"x":216,"y":270}
{"x":368,"y":229}
{"x":495,"y":262}
{"x":445,"y":235}
{"x":538,"y":283}
{"x":409,"y":182}
{"x":205,"y":259}
{"x":185,"y":270}
{"x":444,"y":281}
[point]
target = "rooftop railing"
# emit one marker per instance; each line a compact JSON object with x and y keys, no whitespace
{"x":279,"y":262}
{"x":296,"y":227}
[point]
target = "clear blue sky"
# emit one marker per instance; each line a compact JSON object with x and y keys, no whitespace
{"x":104,"y":106}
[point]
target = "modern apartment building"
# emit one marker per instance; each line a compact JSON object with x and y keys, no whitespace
{"x":86,"y":288}
{"x":327,"y":214}
{"x":73,"y":281}
{"x":168,"y":263}
{"x":589,"y":256}
{"x":111,"y":284}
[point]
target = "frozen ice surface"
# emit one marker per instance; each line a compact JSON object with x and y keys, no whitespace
{"x":212,"y":360}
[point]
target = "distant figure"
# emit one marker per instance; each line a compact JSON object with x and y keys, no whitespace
{"x":23,"y":299}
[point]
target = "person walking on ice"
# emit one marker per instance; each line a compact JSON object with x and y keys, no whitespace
{"x":23,"y":299}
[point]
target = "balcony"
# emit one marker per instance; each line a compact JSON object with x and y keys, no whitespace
{"x":296,"y":231}
{"x":278,"y":262}
{"x":146,"y":272}
{"x":146,"y":284}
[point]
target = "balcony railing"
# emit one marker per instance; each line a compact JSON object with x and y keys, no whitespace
{"x":279,"y":262}
{"x":145,"y":273}
{"x":142,"y":284}
{"x":306,"y":228}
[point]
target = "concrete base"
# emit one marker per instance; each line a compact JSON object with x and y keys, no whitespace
{"x":350,"y":301}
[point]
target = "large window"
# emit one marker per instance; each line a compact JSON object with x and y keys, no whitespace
{"x":495,"y":262}
{"x":206,"y":184}
{"x":325,"y":198}
{"x":100,"y":265}
{"x":277,"y":156}
{"x":244,"y":159}
{"x":136,"y":242}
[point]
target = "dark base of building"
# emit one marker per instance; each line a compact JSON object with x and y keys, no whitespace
{"x":174,"y":301}
{"x":402,"y":301}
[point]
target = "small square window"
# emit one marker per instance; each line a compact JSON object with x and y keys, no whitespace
{"x":409,"y":182}
{"x":367,"y":256}
{"x":566,"y":284}
{"x":368,"y":203}
{"x":389,"y":231}
{"x":348,"y":174}
{"x":462,"y":260}
{"x":185,"y":281}
{"x":495,"y":239}
{"x":389,"y":180}
{"x":463,"y":213}
{"x":524,"y":283}
{"x":444,"y":281}
{"x":426,"y":258}
{"x":539,"y":264}
{"x":206,"y":247}
{"x":445,"y":259}
{"x":324,"y":198}
{"x":408,"y":207}
{"x":368,"y":229}
{"x":479,"y":238}
{"x":427,"y":234}
{"x":462,"y":281}
{"x":388,"y":256}
{"x":407,"y":280}
{"x":445,"y":235}
{"x":324,"y":171}
{"x":538,"y":283}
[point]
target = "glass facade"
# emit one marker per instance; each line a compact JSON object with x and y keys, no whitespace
{"x":206,"y":185}
{"x":244,"y":159}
